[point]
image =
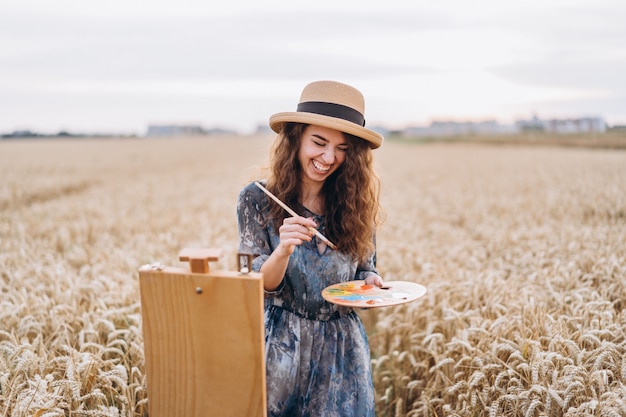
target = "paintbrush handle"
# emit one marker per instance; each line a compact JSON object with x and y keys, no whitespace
{"x":276,"y":199}
{"x":294,"y":214}
{"x":324,"y":238}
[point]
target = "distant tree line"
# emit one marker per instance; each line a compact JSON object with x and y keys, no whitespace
{"x":28,"y":134}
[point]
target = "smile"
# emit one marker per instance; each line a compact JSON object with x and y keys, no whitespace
{"x":321,"y":167}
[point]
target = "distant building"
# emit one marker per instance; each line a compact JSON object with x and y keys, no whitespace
{"x":263,"y":129}
{"x":564,"y":126}
{"x":533,"y":125}
{"x":452,"y":128}
{"x":381,"y":130}
{"x":174,"y":130}
{"x":219,"y":131}
{"x":581,"y":125}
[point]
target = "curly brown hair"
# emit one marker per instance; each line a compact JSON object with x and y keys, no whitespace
{"x":351,"y":193}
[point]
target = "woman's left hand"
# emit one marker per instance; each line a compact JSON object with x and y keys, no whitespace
{"x":374,"y":280}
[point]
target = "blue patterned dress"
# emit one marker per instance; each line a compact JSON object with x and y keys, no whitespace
{"x":317,"y":353}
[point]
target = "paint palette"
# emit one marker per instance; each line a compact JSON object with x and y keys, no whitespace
{"x":359,"y":294}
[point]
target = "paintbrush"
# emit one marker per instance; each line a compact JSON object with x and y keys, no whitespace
{"x":294,"y":214}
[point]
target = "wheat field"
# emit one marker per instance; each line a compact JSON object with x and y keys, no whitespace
{"x":522,"y":249}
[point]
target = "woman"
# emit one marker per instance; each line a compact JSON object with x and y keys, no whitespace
{"x":317,"y":353}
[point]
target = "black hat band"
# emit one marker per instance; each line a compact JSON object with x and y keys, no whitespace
{"x":333,"y":110}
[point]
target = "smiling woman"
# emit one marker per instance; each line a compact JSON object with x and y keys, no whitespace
{"x":317,"y":353}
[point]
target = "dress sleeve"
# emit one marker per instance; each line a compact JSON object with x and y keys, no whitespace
{"x":253,"y":234}
{"x":254,"y":229}
{"x":251,"y":223}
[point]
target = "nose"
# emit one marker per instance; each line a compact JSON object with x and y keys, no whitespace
{"x":329,"y":155}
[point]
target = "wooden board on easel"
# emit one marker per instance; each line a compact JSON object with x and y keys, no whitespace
{"x":203,"y":341}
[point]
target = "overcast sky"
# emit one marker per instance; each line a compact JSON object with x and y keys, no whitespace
{"x":116,"y":66}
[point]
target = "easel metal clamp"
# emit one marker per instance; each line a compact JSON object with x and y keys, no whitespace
{"x":244,"y":262}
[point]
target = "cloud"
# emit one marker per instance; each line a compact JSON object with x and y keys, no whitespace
{"x":272,"y":46}
{"x":413,"y":59}
{"x":597,"y":75}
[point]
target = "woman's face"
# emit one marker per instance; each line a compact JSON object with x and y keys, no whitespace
{"x":322,"y":151}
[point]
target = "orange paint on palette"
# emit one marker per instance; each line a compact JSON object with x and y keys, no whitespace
{"x":364,"y":289}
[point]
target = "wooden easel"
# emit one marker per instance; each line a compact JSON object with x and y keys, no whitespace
{"x":203,"y":338}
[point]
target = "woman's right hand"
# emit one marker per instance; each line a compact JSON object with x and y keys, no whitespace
{"x":293,"y":232}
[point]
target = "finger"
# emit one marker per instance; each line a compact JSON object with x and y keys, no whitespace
{"x":296,"y":234}
{"x":304,"y":221}
{"x":297,"y":229}
{"x":374,"y":280}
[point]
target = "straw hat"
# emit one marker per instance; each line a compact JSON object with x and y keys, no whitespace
{"x":330,"y":104}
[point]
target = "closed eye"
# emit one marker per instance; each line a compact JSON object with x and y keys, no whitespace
{"x":322,"y":142}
